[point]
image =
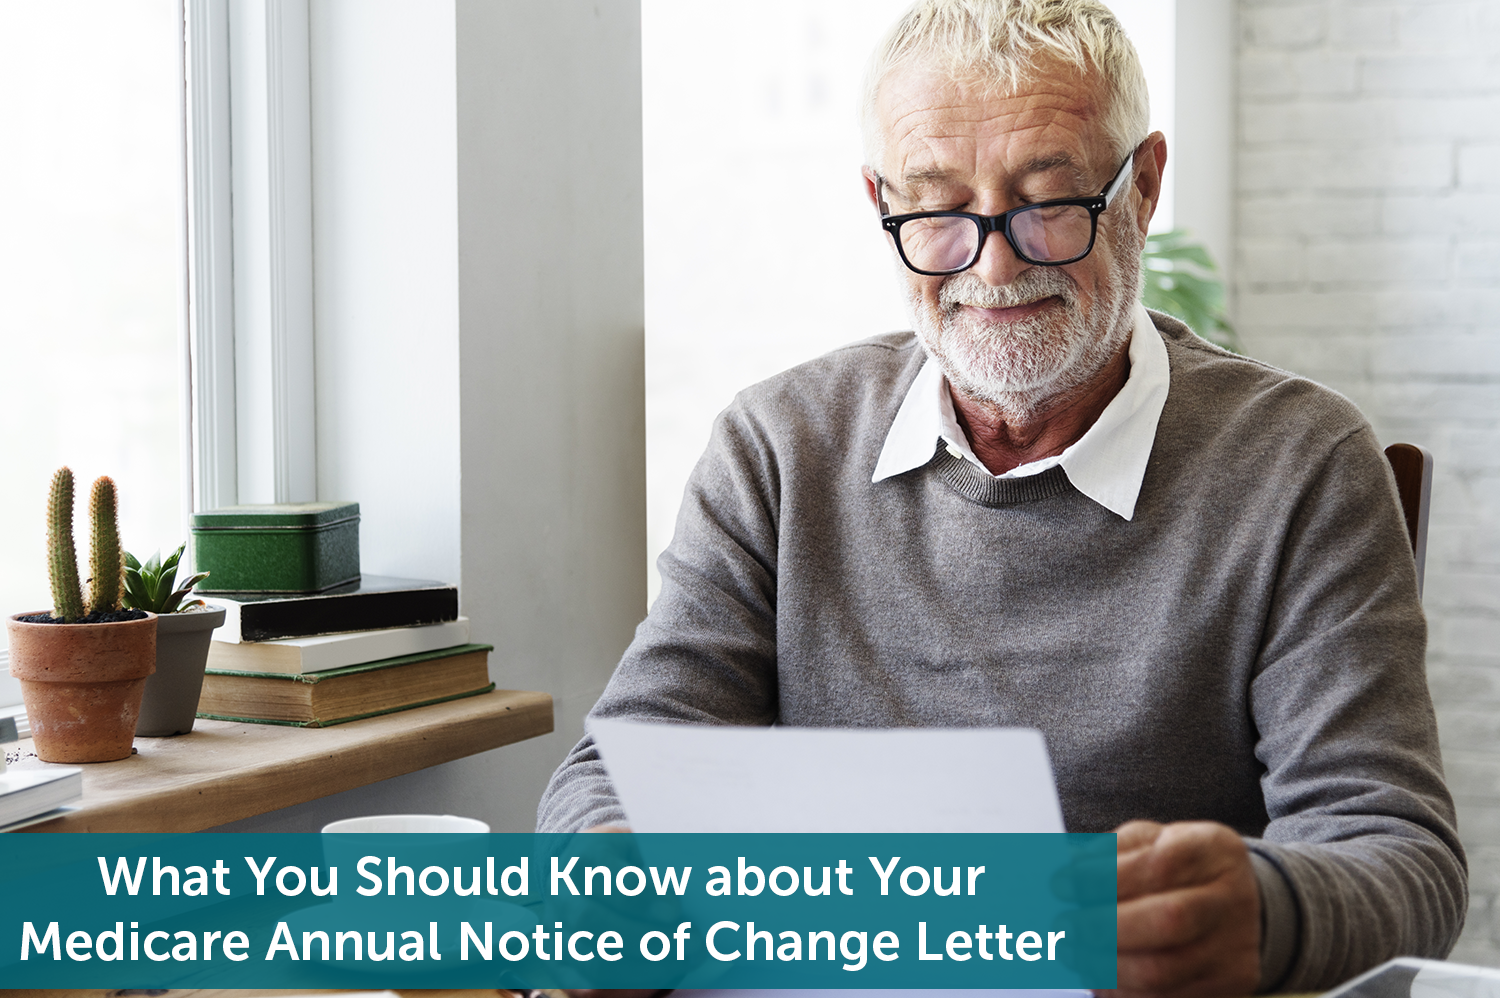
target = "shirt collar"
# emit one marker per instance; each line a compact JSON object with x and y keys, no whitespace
{"x":1107,"y":463}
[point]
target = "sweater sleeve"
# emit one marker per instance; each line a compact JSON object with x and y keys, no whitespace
{"x":706,"y":653}
{"x":1361,"y":825}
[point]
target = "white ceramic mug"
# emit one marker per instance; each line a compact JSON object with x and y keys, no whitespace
{"x":408,"y":823}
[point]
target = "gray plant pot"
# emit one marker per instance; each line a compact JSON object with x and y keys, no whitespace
{"x":172,"y":691}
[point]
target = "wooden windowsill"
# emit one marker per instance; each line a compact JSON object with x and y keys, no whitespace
{"x":223,"y":771}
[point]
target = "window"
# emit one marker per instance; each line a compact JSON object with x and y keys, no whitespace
{"x":90,"y":264}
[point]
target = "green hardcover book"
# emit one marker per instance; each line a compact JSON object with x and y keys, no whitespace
{"x":320,"y":699}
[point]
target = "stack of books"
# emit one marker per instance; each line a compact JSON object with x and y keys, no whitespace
{"x":31,"y":795}
{"x":317,"y":659}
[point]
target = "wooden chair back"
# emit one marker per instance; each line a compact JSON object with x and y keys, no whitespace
{"x":1412,"y":466}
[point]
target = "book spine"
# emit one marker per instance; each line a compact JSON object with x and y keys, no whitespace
{"x":274,"y":619}
{"x":336,"y":652}
{"x":327,"y":723}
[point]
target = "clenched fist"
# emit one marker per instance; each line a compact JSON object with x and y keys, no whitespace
{"x":1189,"y":911}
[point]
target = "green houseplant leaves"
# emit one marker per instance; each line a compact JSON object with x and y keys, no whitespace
{"x":1181,"y":280}
{"x":152,"y":585}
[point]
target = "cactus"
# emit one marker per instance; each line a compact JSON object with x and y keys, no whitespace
{"x":106,"y":559}
{"x":62,"y":562}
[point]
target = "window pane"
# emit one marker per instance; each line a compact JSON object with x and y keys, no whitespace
{"x":89,"y":198}
{"x":750,"y":113}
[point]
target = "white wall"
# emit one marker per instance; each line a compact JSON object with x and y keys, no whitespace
{"x":385,"y":222}
{"x":479,"y":332}
{"x":551,"y":358}
{"x":1152,"y":27}
{"x":1202,"y":151}
{"x":1369,"y":259}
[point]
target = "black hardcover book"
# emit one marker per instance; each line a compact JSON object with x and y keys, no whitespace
{"x":370,"y":604}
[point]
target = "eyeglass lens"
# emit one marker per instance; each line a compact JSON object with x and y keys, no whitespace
{"x":1042,"y":234}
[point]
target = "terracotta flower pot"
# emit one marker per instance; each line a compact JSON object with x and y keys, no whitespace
{"x":171,"y":701}
{"x":82,"y":684}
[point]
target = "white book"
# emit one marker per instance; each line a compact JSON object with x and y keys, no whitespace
{"x":291,"y":656}
{"x":25,"y":793}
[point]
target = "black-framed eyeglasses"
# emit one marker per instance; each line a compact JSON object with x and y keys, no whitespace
{"x":1048,"y":233}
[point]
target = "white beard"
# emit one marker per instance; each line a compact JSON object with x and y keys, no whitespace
{"x":1022,"y":367}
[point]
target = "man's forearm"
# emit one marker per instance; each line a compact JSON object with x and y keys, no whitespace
{"x":580,"y":795}
{"x":1361,"y":901}
{"x":1280,"y":922}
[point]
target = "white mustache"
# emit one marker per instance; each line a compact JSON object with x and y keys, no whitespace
{"x":1029,"y":286}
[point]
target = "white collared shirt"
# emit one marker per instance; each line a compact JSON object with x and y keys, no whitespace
{"x":1107,"y":463}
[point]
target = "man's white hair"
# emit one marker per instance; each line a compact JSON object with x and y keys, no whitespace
{"x":999,"y":44}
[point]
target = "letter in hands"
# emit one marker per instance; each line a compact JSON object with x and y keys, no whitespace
{"x":1189,"y":911}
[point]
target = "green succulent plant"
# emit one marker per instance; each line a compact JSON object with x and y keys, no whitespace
{"x":1182,"y":280}
{"x":153,"y":585}
{"x":62,"y":560}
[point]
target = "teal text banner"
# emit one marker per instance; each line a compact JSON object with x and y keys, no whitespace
{"x":558,"y":911}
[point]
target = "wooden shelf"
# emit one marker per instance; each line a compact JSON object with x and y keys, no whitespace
{"x":224,"y":771}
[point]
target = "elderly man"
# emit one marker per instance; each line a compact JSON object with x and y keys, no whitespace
{"x":1049,"y":508}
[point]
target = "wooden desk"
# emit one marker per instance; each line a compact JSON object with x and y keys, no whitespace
{"x":224,"y":771}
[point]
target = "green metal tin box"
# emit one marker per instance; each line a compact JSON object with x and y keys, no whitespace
{"x":277,"y":548}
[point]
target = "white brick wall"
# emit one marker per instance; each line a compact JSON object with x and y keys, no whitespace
{"x":1368,"y":257}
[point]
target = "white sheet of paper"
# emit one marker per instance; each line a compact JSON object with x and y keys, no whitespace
{"x":878,"y":993}
{"x":692,"y":778}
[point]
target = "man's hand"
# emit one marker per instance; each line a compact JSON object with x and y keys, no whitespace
{"x":609,"y":992}
{"x":1189,"y":915}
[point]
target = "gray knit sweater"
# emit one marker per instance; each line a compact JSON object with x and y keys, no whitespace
{"x":1248,"y":649}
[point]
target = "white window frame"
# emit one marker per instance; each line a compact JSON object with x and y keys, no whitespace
{"x":208,"y":252}
{"x":249,"y":251}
